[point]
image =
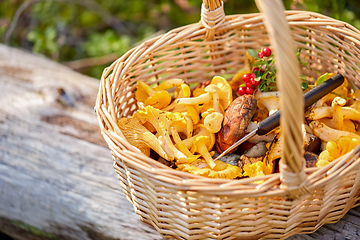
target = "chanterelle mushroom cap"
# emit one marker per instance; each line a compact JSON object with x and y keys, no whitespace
{"x":213,"y":122}
{"x":271,"y":103}
{"x":158,"y":99}
{"x":335,"y":149}
{"x":138,"y":136}
{"x":342,"y":90}
{"x":225,"y":91}
{"x":221,"y":169}
{"x":200,"y":145}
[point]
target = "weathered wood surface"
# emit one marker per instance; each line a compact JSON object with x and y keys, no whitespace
{"x":56,"y":175}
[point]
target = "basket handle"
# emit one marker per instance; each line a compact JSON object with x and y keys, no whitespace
{"x":212,"y":16}
{"x":293,"y":177}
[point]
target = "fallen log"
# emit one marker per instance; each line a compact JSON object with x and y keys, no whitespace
{"x":56,"y":175}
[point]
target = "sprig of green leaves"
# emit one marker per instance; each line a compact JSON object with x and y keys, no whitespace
{"x":267,"y":75}
{"x":322,"y":79}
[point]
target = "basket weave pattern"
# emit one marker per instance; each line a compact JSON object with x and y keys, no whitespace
{"x":186,"y":206}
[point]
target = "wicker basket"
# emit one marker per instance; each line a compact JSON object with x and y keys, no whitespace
{"x":185,"y":206}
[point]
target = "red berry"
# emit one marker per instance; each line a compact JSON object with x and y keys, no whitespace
{"x":246,"y":77}
{"x":249,"y":90}
{"x":255,"y":83}
{"x":256,"y":69}
{"x":252,"y":75}
{"x":260,"y":54}
{"x":266,"y":51}
{"x":249,"y":83}
{"x":242,"y":90}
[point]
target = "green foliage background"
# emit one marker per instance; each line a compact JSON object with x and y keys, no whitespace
{"x":69,"y":30}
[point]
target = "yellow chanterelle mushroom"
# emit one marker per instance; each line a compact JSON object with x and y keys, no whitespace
{"x":181,"y":146}
{"x":327,"y":134}
{"x":271,"y":103}
{"x":213,"y":121}
{"x":157,"y":99}
{"x":161,"y":121}
{"x":335,"y":149}
{"x":137,"y":135}
{"x":220,"y":170}
{"x":200,"y":131}
{"x":200,"y":145}
{"x":224,"y":92}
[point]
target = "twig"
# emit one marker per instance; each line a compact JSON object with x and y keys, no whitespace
{"x":91,"y":5}
{"x":17,"y":14}
{"x":89,"y":62}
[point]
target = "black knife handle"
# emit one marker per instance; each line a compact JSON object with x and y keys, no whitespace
{"x":314,"y":94}
{"x":269,"y":123}
{"x":310,"y":97}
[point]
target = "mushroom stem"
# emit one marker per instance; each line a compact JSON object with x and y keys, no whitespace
{"x":338,"y":117}
{"x":169,"y":148}
{"x":327,"y":112}
{"x":327,"y":134}
{"x":213,"y":90}
{"x":203,"y":98}
{"x":199,"y":146}
{"x":180,"y":145}
{"x":202,"y":132}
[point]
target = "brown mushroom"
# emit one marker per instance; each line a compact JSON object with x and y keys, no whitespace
{"x":310,"y":159}
{"x":236,"y":120}
{"x":253,"y":155}
{"x":312,"y":143}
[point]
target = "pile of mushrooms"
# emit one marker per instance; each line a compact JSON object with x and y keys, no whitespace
{"x":188,"y":128}
{"x":335,"y":119}
{"x":181,"y":130}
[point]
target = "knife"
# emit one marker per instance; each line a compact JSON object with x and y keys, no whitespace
{"x":273,"y":120}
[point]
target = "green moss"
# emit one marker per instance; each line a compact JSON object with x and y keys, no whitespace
{"x":33,"y":230}
{"x":9,"y":226}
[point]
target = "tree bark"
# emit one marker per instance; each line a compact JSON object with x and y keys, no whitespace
{"x":56,"y":174}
